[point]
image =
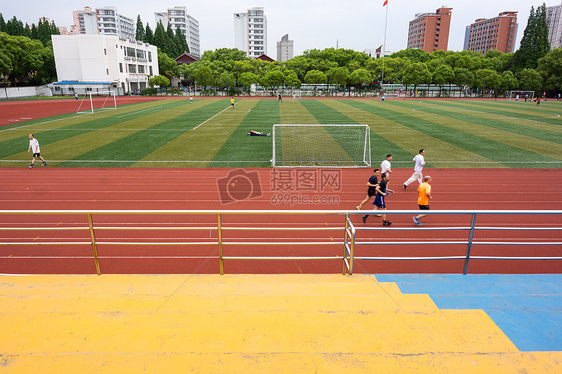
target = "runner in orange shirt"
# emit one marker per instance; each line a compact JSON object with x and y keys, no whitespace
{"x":424,"y":191}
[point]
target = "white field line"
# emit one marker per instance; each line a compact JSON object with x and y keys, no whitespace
{"x":139,"y":111}
{"x":202,"y":123}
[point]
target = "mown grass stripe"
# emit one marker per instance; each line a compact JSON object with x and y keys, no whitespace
{"x":52,"y":133}
{"x":533,"y":140}
{"x":527,"y":113}
{"x":253,"y":151}
{"x":487,"y":148}
{"x":129,"y":146}
{"x":380,"y":145}
{"x":412,"y":140}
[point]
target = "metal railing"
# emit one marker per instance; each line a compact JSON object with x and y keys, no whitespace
{"x":349,"y":241}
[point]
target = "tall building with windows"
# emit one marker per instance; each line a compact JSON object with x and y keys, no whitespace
{"x":250,"y":32}
{"x":104,"y":21}
{"x":553,"y":15}
{"x":430,"y":31}
{"x":284,"y":49}
{"x":178,"y":17}
{"x":496,"y":33}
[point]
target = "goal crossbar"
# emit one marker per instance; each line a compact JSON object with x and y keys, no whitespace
{"x":330,"y":145}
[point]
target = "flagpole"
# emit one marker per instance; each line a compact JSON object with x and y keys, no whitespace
{"x":384,"y":43}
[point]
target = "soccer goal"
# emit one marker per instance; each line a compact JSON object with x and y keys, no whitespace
{"x":97,"y":100}
{"x":321,"y":145}
{"x":513,"y":95}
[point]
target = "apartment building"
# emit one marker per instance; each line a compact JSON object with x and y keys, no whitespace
{"x":496,"y":33}
{"x":430,"y":31}
{"x":178,"y":17}
{"x":106,"y":21}
{"x":285,"y":49}
{"x":553,"y":15}
{"x":250,"y":32}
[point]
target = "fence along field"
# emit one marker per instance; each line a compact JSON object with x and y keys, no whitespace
{"x":208,"y":133}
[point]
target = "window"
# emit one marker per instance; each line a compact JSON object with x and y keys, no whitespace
{"x":141,"y":69}
{"x":120,"y":67}
{"x":132,"y":68}
{"x":105,"y":51}
{"x":150,"y":58}
{"x":107,"y":71}
{"x":150,"y":68}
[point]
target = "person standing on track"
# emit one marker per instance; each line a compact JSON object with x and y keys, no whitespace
{"x":424,"y":194}
{"x":379,"y":203}
{"x":419,"y":161}
{"x":385,"y":165}
{"x":34,"y":145}
{"x":371,"y":191}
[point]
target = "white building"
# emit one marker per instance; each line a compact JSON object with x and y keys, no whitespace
{"x":250,"y":32}
{"x":553,"y":15}
{"x":178,"y":17}
{"x":122,"y":65}
{"x":103,"y":21}
{"x":284,"y":49}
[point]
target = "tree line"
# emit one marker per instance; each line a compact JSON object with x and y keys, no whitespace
{"x":26,"y":57}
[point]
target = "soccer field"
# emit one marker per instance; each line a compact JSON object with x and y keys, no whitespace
{"x":207,"y":133}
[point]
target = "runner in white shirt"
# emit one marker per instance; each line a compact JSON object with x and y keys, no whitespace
{"x":420,"y":162}
{"x":385,"y":165}
{"x":34,"y":145}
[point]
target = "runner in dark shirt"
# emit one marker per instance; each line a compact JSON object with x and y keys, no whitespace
{"x":371,"y":190}
{"x":379,"y":202}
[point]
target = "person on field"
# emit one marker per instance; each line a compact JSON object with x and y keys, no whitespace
{"x":258,"y":133}
{"x":371,"y":190}
{"x":381,"y":191}
{"x":385,"y":165}
{"x":424,"y":194}
{"x":232,"y":103}
{"x":419,"y":162}
{"x":34,"y":146}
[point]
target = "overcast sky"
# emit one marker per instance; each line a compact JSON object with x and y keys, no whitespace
{"x":351,"y":24}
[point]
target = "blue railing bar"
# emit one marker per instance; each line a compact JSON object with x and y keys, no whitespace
{"x":46,"y":243}
{"x":517,"y":243}
{"x":339,"y":258}
{"x":283,"y":243}
{"x":471,"y":236}
{"x":412,"y":258}
{"x":386,"y":228}
{"x":520,"y":228}
{"x":513,"y":258}
{"x":285,"y":228}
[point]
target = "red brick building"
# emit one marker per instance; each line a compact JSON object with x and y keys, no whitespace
{"x":430,"y":31}
{"x":495,"y":33}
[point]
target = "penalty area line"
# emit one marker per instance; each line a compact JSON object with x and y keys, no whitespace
{"x":202,"y":123}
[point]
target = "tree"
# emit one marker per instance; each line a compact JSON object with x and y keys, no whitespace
{"x":534,"y":44}
{"x":486,"y":78}
{"x":550,"y":68}
{"x":181,"y":41}
{"x":26,"y":57}
{"x":273,"y":79}
{"x":140,"y":34}
{"x":508,"y":80}
{"x":292,"y":80}
{"x":315,"y":77}
{"x":247,"y":79}
{"x":159,"y":38}
{"x":529,"y":80}
{"x":416,"y":73}
{"x":443,"y":75}
{"x":463,"y":77}
{"x":172,"y":45}
{"x":204,"y":76}
{"x":338,"y":75}
{"x":360,"y":77}
{"x":224,"y":54}
{"x":226,"y":80}
{"x":3,"y":24}
{"x":166,"y":65}
{"x":148,"y":35}
{"x":159,"y":80}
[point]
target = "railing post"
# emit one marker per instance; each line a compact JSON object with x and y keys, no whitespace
{"x":343,"y":272}
{"x":352,"y":254}
{"x":219,"y":229}
{"x":92,"y":235}
{"x":469,"y":244}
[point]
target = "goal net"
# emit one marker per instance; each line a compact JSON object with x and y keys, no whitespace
{"x":97,"y":100}
{"x":321,"y":145}
{"x":522,"y":94}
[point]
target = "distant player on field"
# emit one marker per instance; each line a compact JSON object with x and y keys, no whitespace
{"x":232,"y":103}
{"x":34,"y":145}
{"x":257,"y":133}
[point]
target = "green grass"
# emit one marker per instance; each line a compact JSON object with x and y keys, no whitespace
{"x":174,"y":133}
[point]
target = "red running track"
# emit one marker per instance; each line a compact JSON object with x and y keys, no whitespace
{"x":267,"y":189}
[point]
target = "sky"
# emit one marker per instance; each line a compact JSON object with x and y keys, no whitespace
{"x":350,"y":24}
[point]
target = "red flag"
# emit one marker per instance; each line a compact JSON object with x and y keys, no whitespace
{"x":385,"y":3}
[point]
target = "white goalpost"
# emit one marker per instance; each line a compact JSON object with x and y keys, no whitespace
{"x":321,"y":145}
{"x":522,"y":94}
{"x":91,"y":101}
